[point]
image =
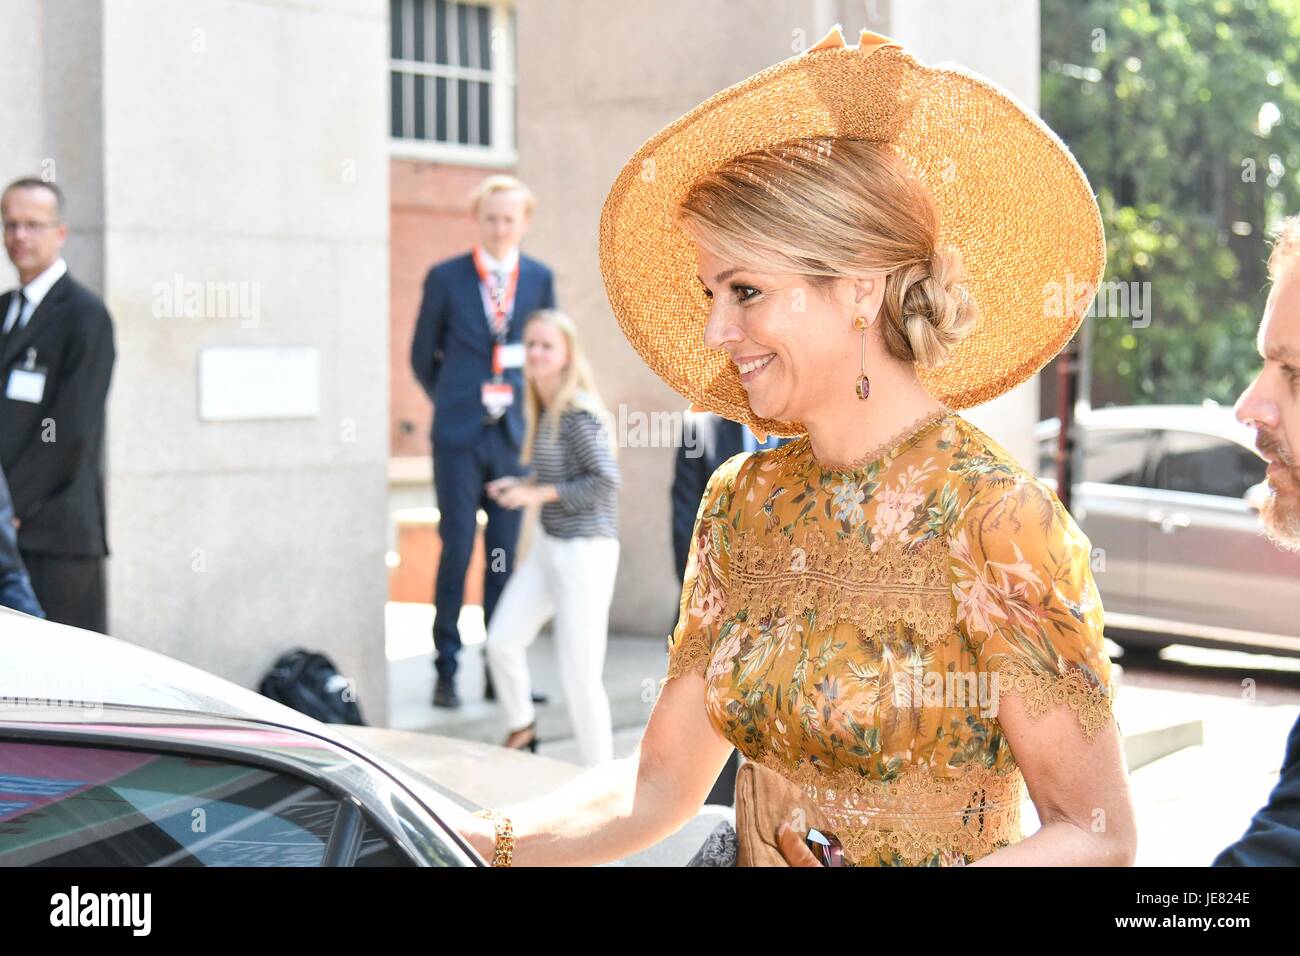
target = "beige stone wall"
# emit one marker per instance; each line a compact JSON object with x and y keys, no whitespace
{"x":247,"y":142}
{"x":52,"y":79}
{"x":238,"y":141}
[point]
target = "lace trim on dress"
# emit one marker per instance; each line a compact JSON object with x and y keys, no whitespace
{"x":691,"y":656}
{"x":914,"y":815}
{"x":841,"y":579}
{"x":882,"y":449}
{"x":1040,"y":690}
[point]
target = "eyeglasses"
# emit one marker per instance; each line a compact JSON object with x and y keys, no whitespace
{"x":825,"y":846}
{"x":11,"y":228}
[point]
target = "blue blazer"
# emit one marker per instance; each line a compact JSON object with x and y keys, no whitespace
{"x":451,"y":352}
{"x":15,"y":588}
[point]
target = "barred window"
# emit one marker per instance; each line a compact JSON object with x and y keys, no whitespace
{"x":452,"y":83}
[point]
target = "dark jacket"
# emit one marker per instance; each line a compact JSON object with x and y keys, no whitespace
{"x":451,"y":352}
{"x":707,"y":441}
{"x":52,"y":450}
{"x":15,"y":588}
{"x":1273,"y":837}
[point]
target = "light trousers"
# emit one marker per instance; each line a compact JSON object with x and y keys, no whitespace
{"x":572,"y":580}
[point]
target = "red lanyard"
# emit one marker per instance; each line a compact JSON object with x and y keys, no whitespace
{"x":502,"y":299}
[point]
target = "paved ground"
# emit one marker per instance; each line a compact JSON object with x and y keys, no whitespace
{"x":633,"y":667}
{"x":1190,"y":802}
{"x":1194,"y":802}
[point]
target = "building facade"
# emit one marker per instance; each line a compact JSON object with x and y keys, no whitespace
{"x":225,"y":166}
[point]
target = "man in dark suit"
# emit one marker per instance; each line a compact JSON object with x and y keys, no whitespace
{"x":707,"y":441}
{"x":467,"y":353}
{"x":56,"y":361}
{"x":15,"y":586}
{"x":1271,"y":405}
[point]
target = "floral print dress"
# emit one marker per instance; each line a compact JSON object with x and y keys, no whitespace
{"x":855,"y":628}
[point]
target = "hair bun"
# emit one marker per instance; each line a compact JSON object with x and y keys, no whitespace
{"x":935,"y":309}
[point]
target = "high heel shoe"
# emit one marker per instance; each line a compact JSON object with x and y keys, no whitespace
{"x":530,"y":744}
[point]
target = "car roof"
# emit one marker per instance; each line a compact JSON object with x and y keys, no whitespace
{"x":54,"y":666}
{"x":1210,"y":419}
{"x":45,"y":660}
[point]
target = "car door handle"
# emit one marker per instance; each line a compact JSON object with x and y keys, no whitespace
{"x":1169,"y":523}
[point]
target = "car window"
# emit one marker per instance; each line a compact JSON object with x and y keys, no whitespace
{"x":64,"y":805}
{"x":1206,"y":465}
{"x":378,"y":850}
{"x":1116,"y":456}
{"x":1111,"y":456}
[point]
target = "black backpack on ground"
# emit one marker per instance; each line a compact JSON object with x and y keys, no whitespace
{"x":310,"y":684}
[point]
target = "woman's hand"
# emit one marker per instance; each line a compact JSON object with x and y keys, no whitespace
{"x":511,"y":492}
{"x":793,"y":848}
{"x":498,"y":485}
{"x":519,"y":496}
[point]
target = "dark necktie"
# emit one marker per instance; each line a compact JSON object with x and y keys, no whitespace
{"x":18,"y":320}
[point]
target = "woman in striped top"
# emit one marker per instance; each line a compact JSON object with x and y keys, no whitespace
{"x":569,"y":570}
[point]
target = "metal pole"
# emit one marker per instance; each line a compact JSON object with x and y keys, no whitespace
{"x":1067,"y":383}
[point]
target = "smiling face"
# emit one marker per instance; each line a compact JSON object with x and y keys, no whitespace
{"x":1272,"y":405}
{"x":794,"y":244}
{"x":793,"y":344}
{"x":546,"y":351}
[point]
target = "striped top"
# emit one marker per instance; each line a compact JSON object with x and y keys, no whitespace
{"x":581,"y":465}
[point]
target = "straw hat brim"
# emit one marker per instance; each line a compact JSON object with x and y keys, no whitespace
{"x":1010,"y":197}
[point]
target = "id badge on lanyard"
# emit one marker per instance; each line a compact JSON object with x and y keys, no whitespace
{"x":498,"y":395}
{"x":27,"y":381}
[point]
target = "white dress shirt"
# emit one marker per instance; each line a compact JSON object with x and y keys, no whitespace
{"x":34,"y":292}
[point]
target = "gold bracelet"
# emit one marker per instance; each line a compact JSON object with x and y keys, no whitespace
{"x":504,"y":848}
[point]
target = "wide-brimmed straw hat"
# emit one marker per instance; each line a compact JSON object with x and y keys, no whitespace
{"x":1009,"y":195}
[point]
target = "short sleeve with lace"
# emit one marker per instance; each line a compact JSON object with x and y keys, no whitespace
{"x":704,"y":589}
{"x":1027,"y":605}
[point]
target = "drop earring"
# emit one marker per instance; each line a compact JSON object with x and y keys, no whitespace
{"x":863,"y":386}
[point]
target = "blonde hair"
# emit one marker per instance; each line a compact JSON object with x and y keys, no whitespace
{"x":577,"y":386}
{"x":1286,"y":244}
{"x":502,"y":183}
{"x":831,"y":207}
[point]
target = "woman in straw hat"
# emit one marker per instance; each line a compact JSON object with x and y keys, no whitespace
{"x":888,"y":612}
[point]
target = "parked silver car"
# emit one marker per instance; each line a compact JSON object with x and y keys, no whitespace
{"x":112,"y":755}
{"x":1168,"y":496}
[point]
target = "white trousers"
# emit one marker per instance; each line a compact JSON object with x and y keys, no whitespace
{"x":572,"y":580}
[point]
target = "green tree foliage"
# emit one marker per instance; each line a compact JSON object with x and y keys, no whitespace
{"x":1185,"y":115}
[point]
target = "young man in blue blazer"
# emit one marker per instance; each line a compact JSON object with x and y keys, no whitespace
{"x":467,"y":354}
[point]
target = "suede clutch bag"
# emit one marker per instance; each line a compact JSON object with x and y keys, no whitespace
{"x":763,"y":799}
